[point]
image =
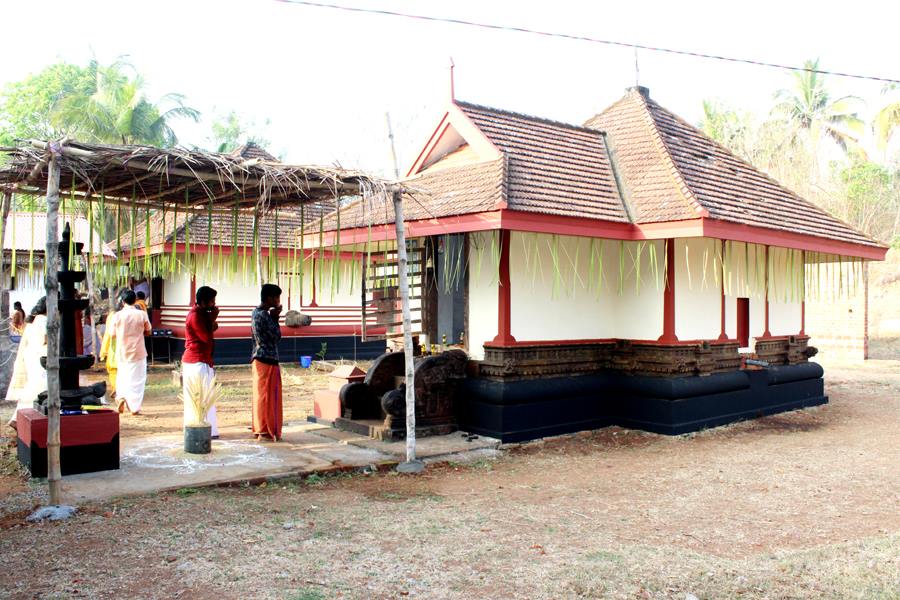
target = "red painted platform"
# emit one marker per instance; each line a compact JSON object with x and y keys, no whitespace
{"x":88,"y":442}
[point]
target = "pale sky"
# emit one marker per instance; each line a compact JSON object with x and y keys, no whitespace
{"x":325,"y":79}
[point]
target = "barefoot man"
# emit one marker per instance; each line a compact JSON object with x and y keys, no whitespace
{"x":266,"y":372}
{"x":199,"y":344}
{"x":131,"y":326}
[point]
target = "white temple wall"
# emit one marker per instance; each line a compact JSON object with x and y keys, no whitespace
{"x":698,"y":293}
{"x":639,"y":309}
{"x":177,"y":289}
{"x":482,"y":306}
{"x":559,"y":302}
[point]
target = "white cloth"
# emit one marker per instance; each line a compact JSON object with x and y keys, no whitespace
{"x":29,"y":376}
{"x":131,"y":380}
{"x":188,"y":372}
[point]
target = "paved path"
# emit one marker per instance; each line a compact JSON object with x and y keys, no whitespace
{"x":156,"y":463}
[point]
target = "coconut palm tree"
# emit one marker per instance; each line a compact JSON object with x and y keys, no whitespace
{"x":888,"y":118}
{"x":808,"y":105}
{"x":115,"y":109}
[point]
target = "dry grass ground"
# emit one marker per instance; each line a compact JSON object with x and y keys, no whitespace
{"x":800,"y":505}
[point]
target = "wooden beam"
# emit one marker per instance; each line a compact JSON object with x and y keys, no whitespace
{"x":54,"y":472}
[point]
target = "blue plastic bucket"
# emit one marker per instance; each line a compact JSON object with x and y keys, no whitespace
{"x":306,"y":361}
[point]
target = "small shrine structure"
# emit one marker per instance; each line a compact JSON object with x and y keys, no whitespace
{"x":626,"y":271}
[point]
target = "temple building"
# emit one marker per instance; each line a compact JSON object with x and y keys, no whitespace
{"x":619,"y":272}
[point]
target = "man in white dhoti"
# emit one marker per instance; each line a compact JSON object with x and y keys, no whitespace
{"x":130,"y":328}
{"x":29,"y":376}
{"x":199,"y":344}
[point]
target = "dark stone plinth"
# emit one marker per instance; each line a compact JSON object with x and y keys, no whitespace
{"x":377,"y":406}
{"x":525,"y":409}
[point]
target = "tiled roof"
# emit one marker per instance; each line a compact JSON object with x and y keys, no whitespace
{"x":223,"y":228}
{"x":552,"y":168}
{"x":464,"y":189}
{"x":251,"y":150}
{"x":671,"y":170}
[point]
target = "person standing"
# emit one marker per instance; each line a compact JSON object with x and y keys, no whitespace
{"x":141,"y":301}
{"x":199,"y":344}
{"x":29,"y":375}
{"x":18,"y":319}
{"x":132,"y":325}
{"x":267,"y":412}
{"x":108,"y":350}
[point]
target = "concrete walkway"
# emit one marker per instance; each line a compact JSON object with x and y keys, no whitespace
{"x":157,"y":463}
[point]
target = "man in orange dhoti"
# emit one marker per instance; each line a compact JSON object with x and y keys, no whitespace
{"x":266,"y":371}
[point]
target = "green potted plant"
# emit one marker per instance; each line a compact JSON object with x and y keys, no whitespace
{"x":202,"y":395}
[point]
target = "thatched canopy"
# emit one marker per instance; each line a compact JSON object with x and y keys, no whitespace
{"x":149,"y":177}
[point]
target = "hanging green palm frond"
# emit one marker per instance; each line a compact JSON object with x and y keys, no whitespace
{"x":687,"y":265}
{"x":188,"y":258}
{"x":173,"y":260}
{"x":210,"y":243}
{"x":31,"y":248}
{"x":302,"y":263}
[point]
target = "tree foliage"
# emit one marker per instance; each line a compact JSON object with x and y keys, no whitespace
{"x":809,"y":105}
{"x":98,"y":103}
{"x":786,"y":143}
{"x":26,"y":106}
{"x":231,"y":131}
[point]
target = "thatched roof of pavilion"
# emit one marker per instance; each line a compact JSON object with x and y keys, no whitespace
{"x":150,"y":177}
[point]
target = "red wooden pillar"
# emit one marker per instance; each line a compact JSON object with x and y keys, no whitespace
{"x":504,"y":295}
{"x":312,"y":302}
{"x":669,"y":295}
{"x":767,"y":333}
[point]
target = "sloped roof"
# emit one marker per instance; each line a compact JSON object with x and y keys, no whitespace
{"x":671,"y":171}
{"x":252,"y":150}
{"x":223,"y":228}
{"x":460,"y":190}
{"x":634,"y":162}
{"x":552,"y":167}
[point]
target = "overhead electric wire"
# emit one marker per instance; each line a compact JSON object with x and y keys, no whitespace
{"x":583,"y":38}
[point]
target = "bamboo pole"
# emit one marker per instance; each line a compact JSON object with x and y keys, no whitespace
{"x":408,"y":349}
{"x":54,"y":474}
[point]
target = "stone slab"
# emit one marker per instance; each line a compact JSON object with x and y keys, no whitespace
{"x":158,"y":463}
{"x":428,"y":447}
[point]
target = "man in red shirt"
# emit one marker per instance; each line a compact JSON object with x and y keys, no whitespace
{"x":199,"y":345}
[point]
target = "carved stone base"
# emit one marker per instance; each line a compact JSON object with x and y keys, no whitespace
{"x":625,"y":356}
{"x":785,"y":350}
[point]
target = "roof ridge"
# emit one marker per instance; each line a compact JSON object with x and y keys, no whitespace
{"x":582,"y":128}
{"x":687,"y":193}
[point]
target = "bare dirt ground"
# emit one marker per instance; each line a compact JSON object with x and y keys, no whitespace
{"x":799,"y":505}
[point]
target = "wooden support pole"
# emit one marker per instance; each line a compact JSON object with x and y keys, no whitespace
{"x":5,"y":342}
{"x":767,"y":333}
{"x":54,"y":472}
{"x":504,"y":335}
{"x":408,"y":349}
{"x":722,"y":334}
{"x":669,"y":295}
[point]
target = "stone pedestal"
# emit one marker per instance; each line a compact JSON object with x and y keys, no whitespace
{"x":327,"y":403}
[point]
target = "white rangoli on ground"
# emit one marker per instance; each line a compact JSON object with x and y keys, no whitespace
{"x":170,"y":454}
